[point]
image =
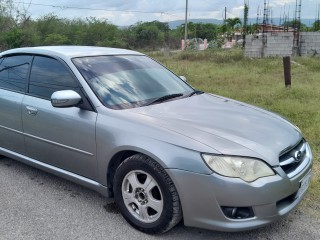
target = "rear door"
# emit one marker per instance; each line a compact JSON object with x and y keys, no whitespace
{"x":61,"y":137}
{"x":13,"y":81}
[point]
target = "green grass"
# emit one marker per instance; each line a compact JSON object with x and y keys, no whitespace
{"x":260,"y":82}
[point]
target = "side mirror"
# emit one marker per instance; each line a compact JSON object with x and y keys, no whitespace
{"x":65,"y":98}
{"x":183,"y":78}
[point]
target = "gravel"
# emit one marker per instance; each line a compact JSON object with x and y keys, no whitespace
{"x":38,"y":205}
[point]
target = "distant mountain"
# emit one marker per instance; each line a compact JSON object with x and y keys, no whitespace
{"x":177,"y":23}
{"x":276,"y":21}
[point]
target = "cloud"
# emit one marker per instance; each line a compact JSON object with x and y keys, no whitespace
{"x":283,"y":2}
{"x":237,"y":11}
{"x":128,"y":12}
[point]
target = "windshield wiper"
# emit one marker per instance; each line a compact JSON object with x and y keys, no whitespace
{"x":194,"y":93}
{"x":164,"y":98}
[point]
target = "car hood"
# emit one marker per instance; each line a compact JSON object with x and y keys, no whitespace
{"x":228,"y":126}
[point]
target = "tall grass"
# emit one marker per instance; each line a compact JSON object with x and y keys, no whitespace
{"x":260,"y":82}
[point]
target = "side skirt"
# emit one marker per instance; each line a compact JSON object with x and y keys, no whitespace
{"x":83,"y":181}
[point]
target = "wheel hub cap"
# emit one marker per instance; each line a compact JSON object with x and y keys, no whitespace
{"x":141,"y":196}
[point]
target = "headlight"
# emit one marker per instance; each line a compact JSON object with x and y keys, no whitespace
{"x":248,"y":169}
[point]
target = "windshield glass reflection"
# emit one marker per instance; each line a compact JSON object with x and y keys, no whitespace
{"x":128,"y":81}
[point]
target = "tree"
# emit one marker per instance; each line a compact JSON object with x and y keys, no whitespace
{"x":12,"y":23}
{"x":56,"y":39}
{"x":316,"y":25}
{"x":49,"y":24}
{"x":295,"y":24}
{"x":199,"y":30}
{"x":207,"y":30}
{"x":13,"y":38}
{"x":232,"y":23}
{"x":98,"y":32}
{"x":147,"y":35}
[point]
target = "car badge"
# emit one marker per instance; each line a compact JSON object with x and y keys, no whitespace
{"x":298,"y":156}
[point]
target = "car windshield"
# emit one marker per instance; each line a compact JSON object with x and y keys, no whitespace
{"x":128,"y":81}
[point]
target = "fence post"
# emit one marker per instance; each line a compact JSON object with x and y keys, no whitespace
{"x":287,"y":71}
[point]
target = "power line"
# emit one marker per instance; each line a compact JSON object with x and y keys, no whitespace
{"x":96,"y":9}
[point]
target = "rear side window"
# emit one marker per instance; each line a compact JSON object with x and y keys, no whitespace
{"x":14,"y":72}
{"x":49,"y":75}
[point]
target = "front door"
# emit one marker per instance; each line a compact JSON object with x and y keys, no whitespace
{"x":61,"y":137}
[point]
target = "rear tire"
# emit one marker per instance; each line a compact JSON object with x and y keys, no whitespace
{"x":146,"y":195}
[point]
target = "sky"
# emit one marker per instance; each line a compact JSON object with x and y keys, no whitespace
{"x":128,"y":12}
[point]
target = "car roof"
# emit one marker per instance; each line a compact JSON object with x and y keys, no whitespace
{"x":70,"y":51}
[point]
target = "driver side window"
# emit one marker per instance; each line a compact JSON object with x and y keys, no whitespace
{"x":49,"y":75}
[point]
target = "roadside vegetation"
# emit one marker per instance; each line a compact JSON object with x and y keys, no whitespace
{"x":19,"y":29}
{"x":260,"y":82}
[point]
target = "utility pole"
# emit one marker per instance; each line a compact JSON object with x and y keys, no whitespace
{"x":317,"y":25}
{"x":225,"y":14}
{"x":186,"y":26}
{"x":245,"y":23}
{"x":264,"y":27}
{"x":297,"y":26}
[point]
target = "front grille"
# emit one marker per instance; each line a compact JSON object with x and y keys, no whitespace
{"x":291,"y":159}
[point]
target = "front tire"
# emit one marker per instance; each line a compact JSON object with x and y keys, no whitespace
{"x":146,"y":195}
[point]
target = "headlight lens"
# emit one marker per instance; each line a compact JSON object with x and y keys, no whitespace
{"x":248,"y":169}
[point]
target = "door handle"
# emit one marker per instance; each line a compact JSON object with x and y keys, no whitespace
{"x":31,"y":110}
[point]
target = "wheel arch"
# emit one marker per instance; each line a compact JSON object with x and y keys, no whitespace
{"x":119,"y":157}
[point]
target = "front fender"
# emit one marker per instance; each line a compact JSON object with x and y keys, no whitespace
{"x":170,"y":149}
{"x":167,"y":155}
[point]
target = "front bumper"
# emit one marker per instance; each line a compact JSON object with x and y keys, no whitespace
{"x":202,"y":197}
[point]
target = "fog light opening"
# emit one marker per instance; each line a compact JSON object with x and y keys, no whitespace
{"x":238,"y":212}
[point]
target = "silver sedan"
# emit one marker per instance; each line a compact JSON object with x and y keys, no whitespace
{"x":120,"y":123}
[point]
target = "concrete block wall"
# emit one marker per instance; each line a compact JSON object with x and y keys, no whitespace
{"x":310,"y":43}
{"x":281,"y":44}
{"x":254,"y":46}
